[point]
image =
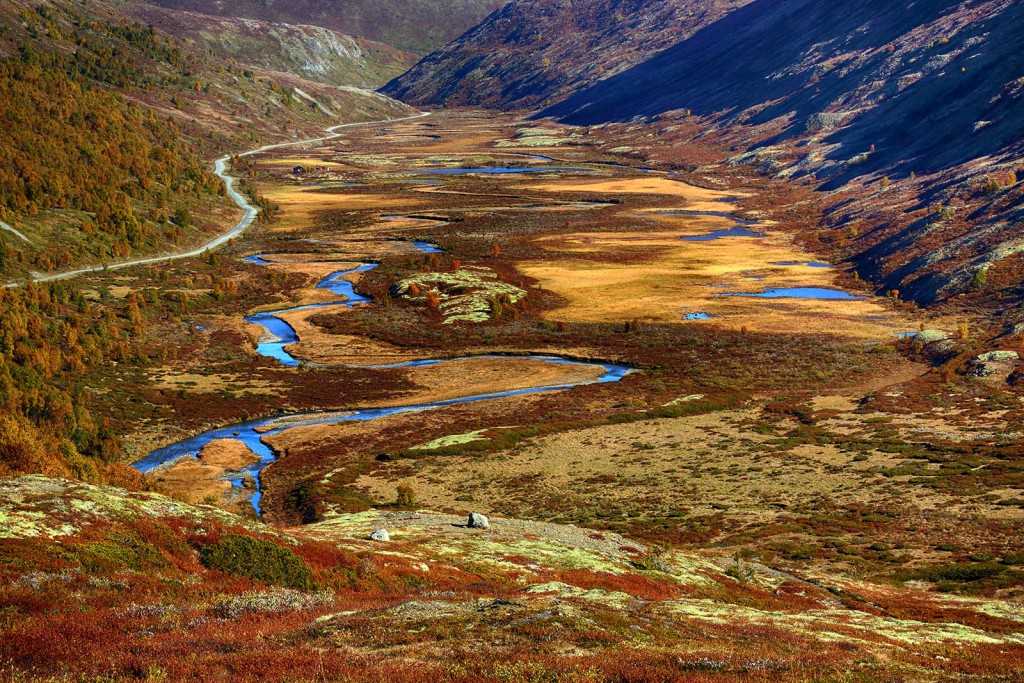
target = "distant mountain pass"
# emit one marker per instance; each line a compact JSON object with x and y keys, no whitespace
{"x":412,"y":25}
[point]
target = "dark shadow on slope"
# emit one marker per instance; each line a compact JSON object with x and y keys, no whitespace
{"x":747,"y":60}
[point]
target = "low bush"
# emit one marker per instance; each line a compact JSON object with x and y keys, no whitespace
{"x":257,"y":559}
{"x":959,"y":573}
{"x":122,"y":550}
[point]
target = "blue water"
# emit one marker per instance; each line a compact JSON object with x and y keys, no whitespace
{"x":697,"y":316}
{"x":906,"y":335}
{"x":283,"y":334}
{"x":798,"y":293}
{"x":500,"y":169}
{"x":811,"y":264}
{"x":427,"y":248}
{"x":736,"y":231}
{"x":715,"y":214}
{"x":257,"y":259}
{"x":251,"y":433}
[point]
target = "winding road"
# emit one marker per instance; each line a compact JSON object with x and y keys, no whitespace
{"x":220,"y":168}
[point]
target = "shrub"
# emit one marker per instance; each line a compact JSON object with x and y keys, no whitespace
{"x":257,"y":559}
{"x":960,"y":573}
{"x":122,"y":550}
{"x":991,"y":186}
{"x":653,"y":559}
{"x":979,"y":279}
{"x":1013,"y":559}
{"x":406,"y":496}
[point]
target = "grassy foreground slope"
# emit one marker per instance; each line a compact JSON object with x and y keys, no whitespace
{"x":99,"y":583}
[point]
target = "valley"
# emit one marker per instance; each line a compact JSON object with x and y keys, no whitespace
{"x":649,"y":249}
{"x":665,"y":406}
{"x":543,"y":342}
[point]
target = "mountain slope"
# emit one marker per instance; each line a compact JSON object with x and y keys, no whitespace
{"x":110,"y":126}
{"x":533,"y":52}
{"x":908,"y":117}
{"x":863,"y":95}
{"x":414,"y":25}
{"x":313,"y":52}
{"x":915,"y":78}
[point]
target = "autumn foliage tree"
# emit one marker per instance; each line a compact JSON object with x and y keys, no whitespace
{"x":113,"y":170}
{"x":49,"y":335}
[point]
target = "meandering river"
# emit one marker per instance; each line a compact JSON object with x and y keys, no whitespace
{"x":278,"y":335}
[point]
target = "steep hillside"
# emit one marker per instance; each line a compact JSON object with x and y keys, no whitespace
{"x":911,"y":81}
{"x":533,"y":52}
{"x":313,"y":52}
{"x":898,"y":109}
{"x":98,"y":583}
{"x":416,"y":25}
{"x":910,"y":119}
{"x":110,"y":126}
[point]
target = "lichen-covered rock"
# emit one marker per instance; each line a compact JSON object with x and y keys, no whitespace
{"x":34,"y":506}
{"x":478,"y":521}
{"x":994,"y":364}
{"x":984,"y":369}
{"x":996,"y":356}
{"x":380,"y":535}
{"x":824,"y":121}
{"x":930,"y":336}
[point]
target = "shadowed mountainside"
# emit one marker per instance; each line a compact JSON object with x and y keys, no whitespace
{"x":913,"y":80}
{"x":533,"y":52}
{"x":909,"y":117}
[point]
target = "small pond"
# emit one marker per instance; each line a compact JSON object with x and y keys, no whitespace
{"x":798,"y":293}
